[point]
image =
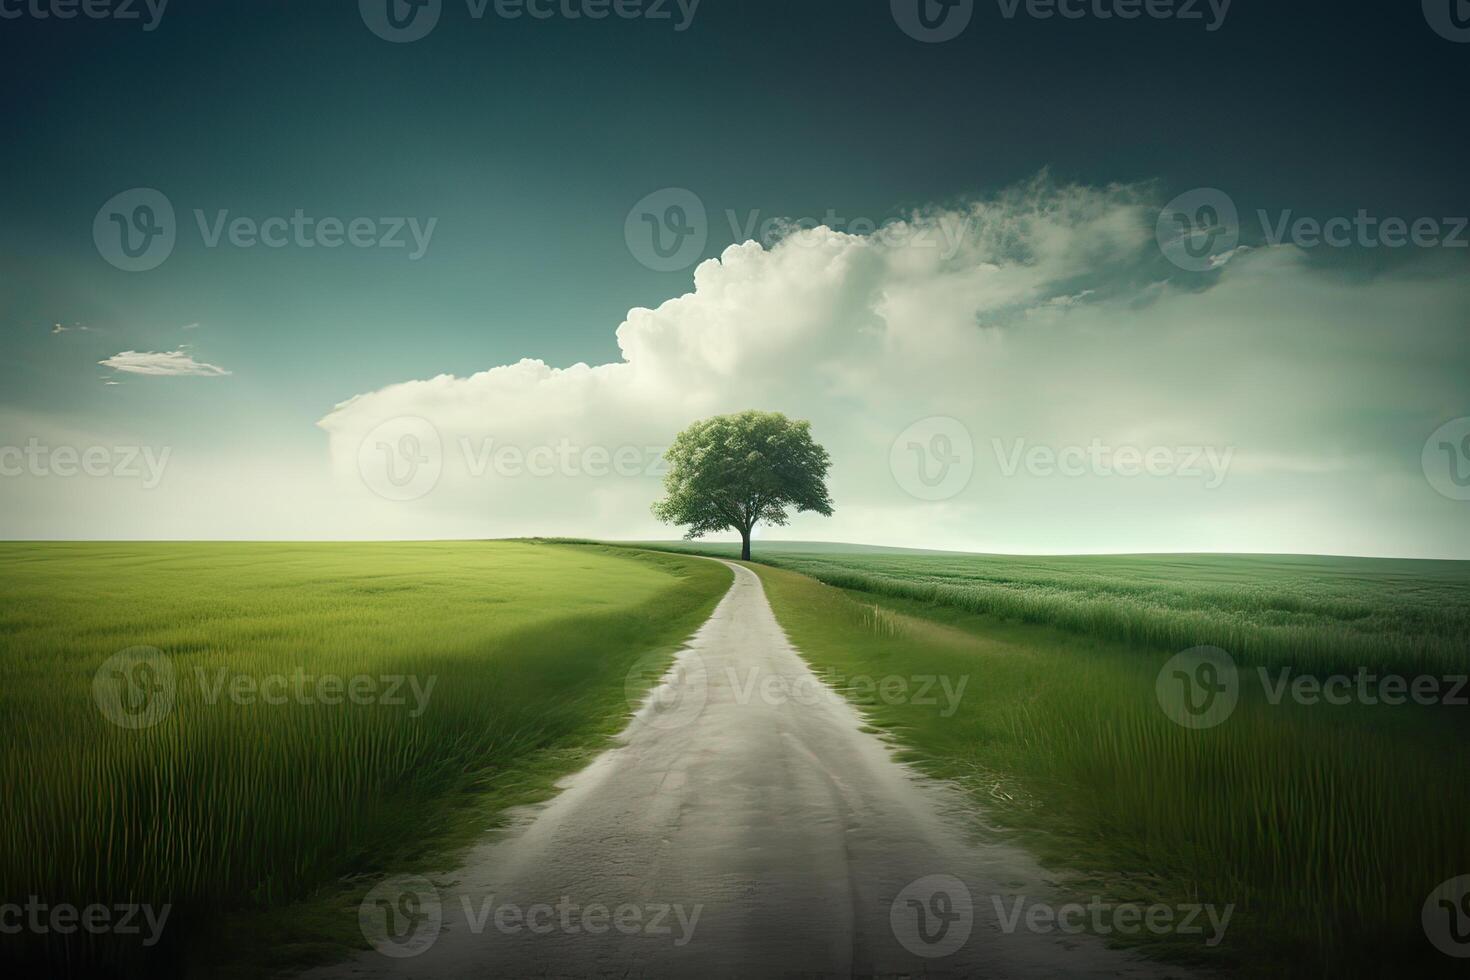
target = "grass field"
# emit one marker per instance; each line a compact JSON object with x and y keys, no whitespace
{"x":468,"y":676}
{"x":1327,"y":826}
{"x":1315,"y":613}
{"x":261,"y":814}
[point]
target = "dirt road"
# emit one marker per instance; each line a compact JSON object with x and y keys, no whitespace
{"x":745,"y":825}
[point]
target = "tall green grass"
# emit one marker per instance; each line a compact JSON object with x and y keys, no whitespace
{"x":1314,"y":613}
{"x":226,"y":806}
{"x":1326,"y":826}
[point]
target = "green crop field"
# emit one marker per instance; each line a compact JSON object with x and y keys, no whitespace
{"x":1325,"y":825}
{"x":1315,"y":613}
{"x":309,"y":711}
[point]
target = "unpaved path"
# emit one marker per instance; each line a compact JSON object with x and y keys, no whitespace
{"x":744,"y":825}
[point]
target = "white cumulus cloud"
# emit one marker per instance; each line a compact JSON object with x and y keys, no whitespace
{"x":1056,"y":322}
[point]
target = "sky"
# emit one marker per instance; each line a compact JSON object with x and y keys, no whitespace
{"x":1194,"y":280}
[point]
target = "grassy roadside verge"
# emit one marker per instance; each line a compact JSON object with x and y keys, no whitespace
{"x":261,"y":820}
{"x":1326,"y":827}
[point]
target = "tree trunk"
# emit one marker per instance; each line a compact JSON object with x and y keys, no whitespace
{"x":745,"y":546}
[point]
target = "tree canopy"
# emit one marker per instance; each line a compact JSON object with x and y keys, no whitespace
{"x":731,"y":472}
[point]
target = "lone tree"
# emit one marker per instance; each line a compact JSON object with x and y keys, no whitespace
{"x":728,"y":472}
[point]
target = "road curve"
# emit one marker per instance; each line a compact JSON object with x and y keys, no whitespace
{"x":778,"y":837}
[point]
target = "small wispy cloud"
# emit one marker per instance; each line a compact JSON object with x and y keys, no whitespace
{"x":1219,"y":260}
{"x":176,"y":363}
{"x":190,"y":326}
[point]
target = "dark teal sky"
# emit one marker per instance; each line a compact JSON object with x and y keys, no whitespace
{"x":529,"y":141}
